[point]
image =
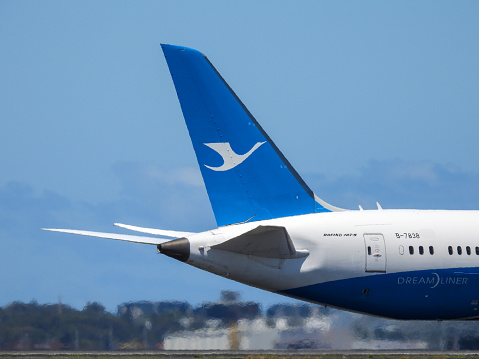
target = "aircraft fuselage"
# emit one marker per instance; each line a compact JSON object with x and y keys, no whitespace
{"x":403,"y":264}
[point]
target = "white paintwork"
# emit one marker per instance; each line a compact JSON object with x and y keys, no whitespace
{"x":157,"y":232}
{"x":230,"y":158}
{"x":327,"y":205}
{"x":265,"y":242}
{"x":120,"y":237}
{"x":344,"y":256}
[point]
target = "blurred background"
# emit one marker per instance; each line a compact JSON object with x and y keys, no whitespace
{"x":228,"y":323}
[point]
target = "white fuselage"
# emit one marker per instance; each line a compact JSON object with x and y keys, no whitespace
{"x":386,"y":254}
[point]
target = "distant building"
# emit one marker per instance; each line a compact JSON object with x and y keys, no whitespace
{"x":278,"y":331}
{"x":245,"y":335}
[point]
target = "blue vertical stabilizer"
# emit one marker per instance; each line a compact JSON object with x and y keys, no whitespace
{"x":246,"y":176}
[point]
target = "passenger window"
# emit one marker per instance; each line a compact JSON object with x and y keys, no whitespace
{"x":411,"y":250}
{"x":369,"y":250}
{"x":459,"y":250}
{"x":401,"y":250}
{"x":421,"y":250}
{"x":477,"y":251}
{"x":431,"y":250}
{"x":450,"y":250}
{"x":468,"y":250}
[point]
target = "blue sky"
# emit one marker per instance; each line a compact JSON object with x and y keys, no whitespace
{"x":370,"y":101}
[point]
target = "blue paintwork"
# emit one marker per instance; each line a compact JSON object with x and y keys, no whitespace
{"x":440,"y":294}
{"x":264,"y":186}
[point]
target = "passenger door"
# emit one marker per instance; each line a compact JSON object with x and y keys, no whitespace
{"x":375,"y":252}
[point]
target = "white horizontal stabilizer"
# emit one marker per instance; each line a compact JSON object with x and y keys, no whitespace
{"x":264,"y":241}
{"x":120,"y":237}
{"x":158,"y":232}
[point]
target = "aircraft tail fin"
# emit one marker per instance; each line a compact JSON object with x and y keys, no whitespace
{"x":246,"y":176}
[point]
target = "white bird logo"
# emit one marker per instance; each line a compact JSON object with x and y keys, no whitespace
{"x":230,"y":158}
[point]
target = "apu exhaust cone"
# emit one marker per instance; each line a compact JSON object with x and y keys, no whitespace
{"x":178,"y":249}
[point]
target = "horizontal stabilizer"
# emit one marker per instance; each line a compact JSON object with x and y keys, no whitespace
{"x":263,"y":241}
{"x":120,"y":237}
{"x":157,"y":232}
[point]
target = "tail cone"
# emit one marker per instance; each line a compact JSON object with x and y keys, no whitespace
{"x":178,"y":249}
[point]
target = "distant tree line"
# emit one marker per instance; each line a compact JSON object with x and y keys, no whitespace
{"x":145,"y":325}
{"x":140,"y":325}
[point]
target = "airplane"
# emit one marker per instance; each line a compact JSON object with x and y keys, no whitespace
{"x":274,"y":233}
